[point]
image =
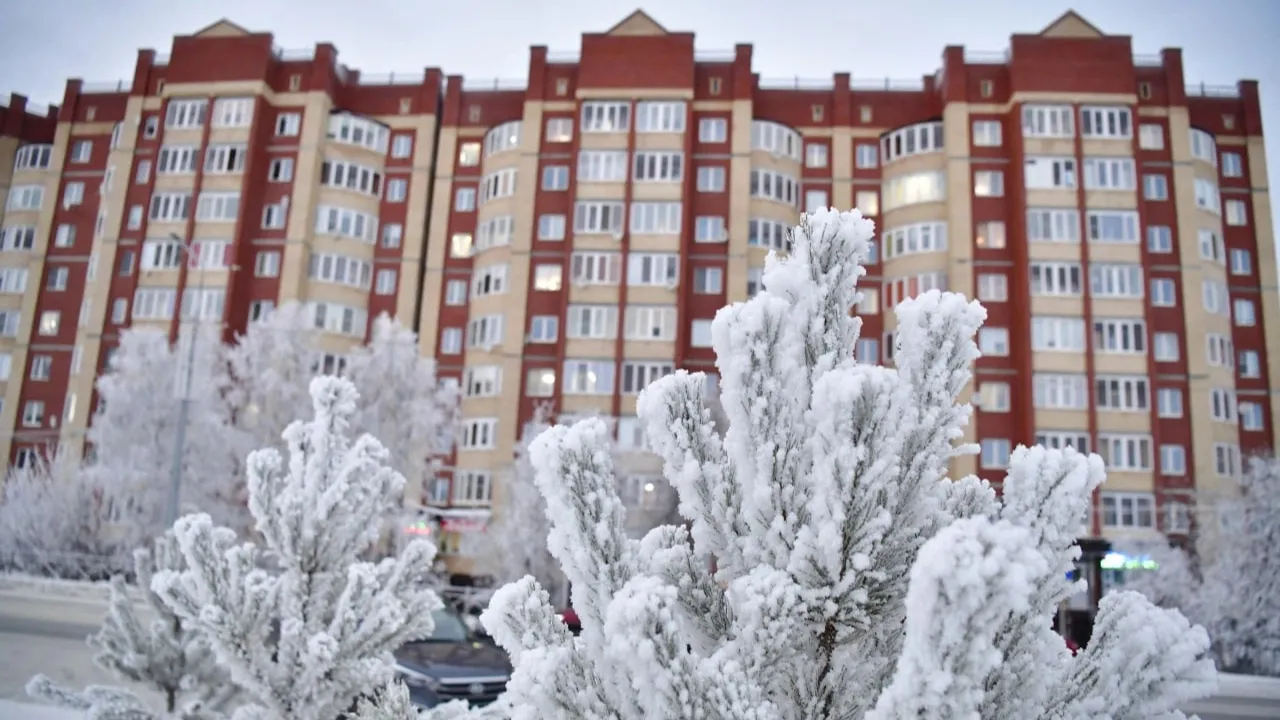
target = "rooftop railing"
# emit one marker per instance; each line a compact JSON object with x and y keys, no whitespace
{"x":483,"y":84}
{"x":107,"y":87}
{"x":415,"y":77}
{"x":1148,"y":60}
{"x":1220,"y":91}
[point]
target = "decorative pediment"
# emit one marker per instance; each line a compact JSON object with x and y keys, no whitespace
{"x":637,"y":23}
{"x":223,"y":28}
{"x":1071,"y":25}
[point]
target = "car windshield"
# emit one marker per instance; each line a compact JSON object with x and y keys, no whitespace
{"x":449,"y":627}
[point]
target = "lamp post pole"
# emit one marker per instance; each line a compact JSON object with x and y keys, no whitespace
{"x":184,"y":401}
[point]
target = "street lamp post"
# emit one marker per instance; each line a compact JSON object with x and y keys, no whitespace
{"x":184,"y":401}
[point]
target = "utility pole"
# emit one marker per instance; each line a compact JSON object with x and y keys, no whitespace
{"x":184,"y":401}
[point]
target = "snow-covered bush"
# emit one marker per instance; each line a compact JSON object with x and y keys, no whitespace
{"x":51,"y":521}
{"x":303,"y":626}
{"x":135,"y":428}
{"x":854,"y":579}
{"x":146,"y":644}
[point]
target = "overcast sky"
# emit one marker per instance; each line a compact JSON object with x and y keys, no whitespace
{"x":44,"y":43}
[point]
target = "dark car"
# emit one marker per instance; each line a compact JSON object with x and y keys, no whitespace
{"x":453,"y":664}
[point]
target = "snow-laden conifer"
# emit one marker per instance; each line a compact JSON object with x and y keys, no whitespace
{"x":843,"y":552}
{"x":143,"y":643}
{"x":303,"y":626}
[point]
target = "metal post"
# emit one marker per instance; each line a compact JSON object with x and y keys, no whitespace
{"x":184,"y":403}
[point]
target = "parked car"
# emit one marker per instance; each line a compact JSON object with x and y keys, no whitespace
{"x":453,"y":664}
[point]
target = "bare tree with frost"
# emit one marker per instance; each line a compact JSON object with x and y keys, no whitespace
{"x":303,"y":626}
{"x":271,"y":366}
{"x":853,"y":578}
{"x":144,"y":643}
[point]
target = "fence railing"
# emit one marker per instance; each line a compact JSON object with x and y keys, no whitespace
{"x":483,"y":84}
{"x":1222,"y":91}
{"x":106,"y":87}
{"x":413,"y":77}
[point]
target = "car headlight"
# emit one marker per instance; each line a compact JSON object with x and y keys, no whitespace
{"x":414,"y":678}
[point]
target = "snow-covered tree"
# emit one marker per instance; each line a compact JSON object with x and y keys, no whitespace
{"x":51,"y":520}
{"x":303,"y":626}
{"x":403,"y":404}
{"x":271,"y":367}
{"x":134,"y":432}
{"x":144,"y":643}
{"x":854,"y":579}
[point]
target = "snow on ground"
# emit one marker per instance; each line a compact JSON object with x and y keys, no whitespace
{"x":11,"y":710}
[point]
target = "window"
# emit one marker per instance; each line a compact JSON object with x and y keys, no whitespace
{"x":605,"y":116}
{"x":81,"y":151}
{"x":218,"y":206}
{"x":56,"y":280}
{"x":1222,"y":403}
{"x":993,"y":341}
{"x":544,"y":328}
{"x":232,"y":112}
{"x":9,"y":321}
{"x":713,"y":130}
{"x":1118,"y":280}
{"x":1125,"y":452}
{"x":464,"y":200}
{"x":33,"y":414}
{"x":469,"y":154}
{"x":1244,"y":313}
{"x":592,"y":322}
{"x":1159,"y":239}
{"x":770,"y":185}
{"x":1106,"y":122}
{"x":350,"y":176}
{"x":588,"y":377}
{"x":867,"y":351}
{"x":656,"y":218}
{"x":708,"y":280}
{"x":1252,"y":417}
{"x":599,"y":217}
{"x":397,"y":190}
{"x":1059,"y":439}
{"x":1235,"y":212}
{"x":340,"y":319}
{"x":490,"y":280}
{"x":161,"y":254}
{"x":494,"y":232}
{"x":915,"y":238}
{"x":910,"y":189}
{"x":1162,"y":292}
{"x":502,"y":138}
{"x":1057,"y":334}
{"x":185,"y":113}
{"x":1241,"y":262}
{"x":1232,"y":165}
{"x":361,"y":132}
{"x":664,"y":116}
{"x":1048,"y":121}
{"x":866,"y":156}
{"x":267,"y":264}
{"x":1203,"y":146}
{"x":710,"y":228}
{"x":540,"y":382}
{"x":338,"y":269}
{"x":1109,"y":174}
{"x":870,"y":302}
{"x":479,"y":434}
{"x":1129,"y":510}
{"x":1165,"y":347}
{"x":995,"y":453}
{"x":170,"y":207}
{"x":700,"y":333}
{"x":142,"y":173}
{"x":153,"y":303}
{"x":209,"y":254}
{"x":1226,"y":459}
{"x":595,"y":268}
{"x":775,"y":139}
{"x":13,"y":280}
{"x":72,"y":194}
{"x":41,"y":367}
{"x":1045,"y":225}
{"x":548,"y":278}
{"x":280,"y":170}
{"x":1151,"y":136}
{"x":1047,"y":173}
{"x":224,"y":159}
{"x":203,"y":303}
{"x":1120,"y":336}
{"x":660,"y":269}
{"x":1214,"y":295}
{"x":990,"y":235}
{"x":900,"y":289}
{"x":1155,"y":187}
{"x":769,"y":234}
{"x":636,"y":376}
{"x":25,"y":197}
{"x":21,"y":237}
{"x":650,"y":322}
{"x":551,"y":227}
{"x":911,"y":140}
{"x":986,"y":133}
{"x":1211,"y":246}
{"x":602,"y":166}
{"x":555,"y":177}
{"x":1218,"y":350}
{"x":1169,"y":403}
{"x":482,"y":381}
{"x":1055,"y":391}
{"x":274,"y":216}
{"x":993,"y":288}
{"x":1122,"y":392}
{"x":1055,"y":278}
{"x":1207,"y":197}
{"x":815,"y":155}
{"x":1112,"y":226}
{"x":867,"y":201}
{"x":455,"y":292}
{"x":988,"y":183}
{"x":288,"y":124}
{"x":346,"y":223}
{"x":815,"y":200}
{"x":401,"y":146}
{"x":32,"y":157}
{"x":711,"y":178}
{"x":1249,"y":364}
{"x":451,"y":341}
{"x":559,"y":130}
{"x":994,"y":397}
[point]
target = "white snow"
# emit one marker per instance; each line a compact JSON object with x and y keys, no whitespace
{"x":13,"y":710}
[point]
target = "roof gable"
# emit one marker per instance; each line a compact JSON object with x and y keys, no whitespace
{"x":1071,"y":25}
{"x":637,"y":23}
{"x":223,"y":28}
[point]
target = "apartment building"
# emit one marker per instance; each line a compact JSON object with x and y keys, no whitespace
{"x":568,"y":239}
